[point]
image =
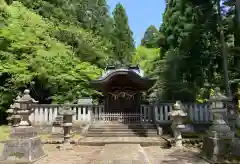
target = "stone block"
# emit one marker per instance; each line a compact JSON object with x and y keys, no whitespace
{"x":23,"y":133}
{"x":24,"y":145}
{"x":213,"y":148}
{"x":159,"y":130}
{"x":57,"y":130}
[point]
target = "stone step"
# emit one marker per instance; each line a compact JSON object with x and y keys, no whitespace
{"x":122,"y":131}
{"x":117,"y":124}
{"x":119,"y":130}
{"x":122,"y":134}
{"x":121,"y":126}
{"x":143,"y":141}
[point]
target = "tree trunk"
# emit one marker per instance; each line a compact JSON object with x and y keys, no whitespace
{"x":224,"y":50}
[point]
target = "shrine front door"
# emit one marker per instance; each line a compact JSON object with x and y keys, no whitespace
{"x":122,"y":103}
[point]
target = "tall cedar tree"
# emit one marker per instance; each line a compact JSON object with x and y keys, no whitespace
{"x":96,"y":16}
{"x":150,"y":38}
{"x":232,"y":22}
{"x":190,"y":48}
{"x":122,"y":37}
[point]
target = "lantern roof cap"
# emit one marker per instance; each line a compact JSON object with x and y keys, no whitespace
{"x":66,"y":111}
{"x":26,"y":98}
{"x":218,"y":96}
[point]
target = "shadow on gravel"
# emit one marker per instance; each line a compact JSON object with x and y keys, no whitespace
{"x":184,"y":157}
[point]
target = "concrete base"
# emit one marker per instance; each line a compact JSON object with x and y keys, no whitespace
{"x":24,"y":145}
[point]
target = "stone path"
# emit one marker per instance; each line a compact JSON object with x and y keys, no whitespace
{"x":119,"y":154}
{"x":158,"y":155}
{"x":128,"y":153}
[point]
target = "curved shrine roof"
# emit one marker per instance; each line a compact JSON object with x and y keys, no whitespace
{"x":134,"y":73}
{"x":112,"y":71}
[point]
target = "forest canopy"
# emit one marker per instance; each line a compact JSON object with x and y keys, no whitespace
{"x":55,"y":48}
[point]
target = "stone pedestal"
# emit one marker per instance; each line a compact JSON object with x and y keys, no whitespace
{"x":219,"y":140}
{"x":178,"y":135}
{"x":218,"y":143}
{"x":24,"y":145}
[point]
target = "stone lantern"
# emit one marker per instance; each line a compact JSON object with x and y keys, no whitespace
{"x":220,"y":136}
{"x":232,"y":113}
{"x":218,"y":103}
{"x":237,"y":123}
{"x":219,"y":110}
{"x":25,"y":108}
{"x":177,"y":116}
{"x":15,"y":118}
{"x":24,"y":143}
{"x":10,"y":116}
{"x":67,"y":113}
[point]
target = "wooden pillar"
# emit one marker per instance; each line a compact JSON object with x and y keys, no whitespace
{"x":106,"y":102}
{"x":138,"y":102}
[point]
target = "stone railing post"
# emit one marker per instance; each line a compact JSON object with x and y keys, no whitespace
{"x":90,"y":112}
{"x":177,"y":116}
{"x":24,"y":143}
{"x":220,"y":136}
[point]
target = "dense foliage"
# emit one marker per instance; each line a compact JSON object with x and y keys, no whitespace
{"x":31,"y":57}
{"x":55,"y":47}
{"x":151,"y":37}
{"x":193,"y":49}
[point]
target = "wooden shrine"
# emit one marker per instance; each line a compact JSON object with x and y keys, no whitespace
{"x":122,"y":88}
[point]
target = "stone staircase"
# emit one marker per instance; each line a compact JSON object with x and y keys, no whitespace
{"x":122,"y":130}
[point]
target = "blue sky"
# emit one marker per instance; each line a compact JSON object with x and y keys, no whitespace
{"x":141,"y":14}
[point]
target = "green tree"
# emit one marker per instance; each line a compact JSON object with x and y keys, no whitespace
{"x":191,"y":39}
{"x":151,"y":37}
{"x":74,"y":26}
{"x":32,"y":58}
{"x":231,"y":23}
{"x":123,"y":43}
{"x":145,"y":58}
